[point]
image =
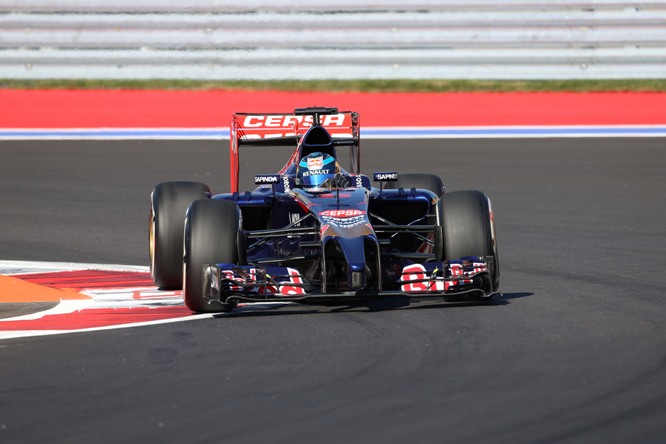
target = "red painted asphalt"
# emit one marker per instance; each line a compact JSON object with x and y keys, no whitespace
{"x":204,"y":109}
{"x":83,"y":279}
{"x":147,"y":304}
{"x":95,"y":318}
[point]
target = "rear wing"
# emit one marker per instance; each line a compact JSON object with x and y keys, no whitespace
{"x":280,"y":129}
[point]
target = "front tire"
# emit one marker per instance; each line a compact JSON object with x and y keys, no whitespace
{"x":469,"y":229}
{"x":212,"y":233}
{"x":168,"y":204}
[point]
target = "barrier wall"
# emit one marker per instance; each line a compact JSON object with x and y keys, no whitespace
{"x":257,"y":39}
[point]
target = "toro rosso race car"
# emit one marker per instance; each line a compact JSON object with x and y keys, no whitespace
{"x":316,"y":232}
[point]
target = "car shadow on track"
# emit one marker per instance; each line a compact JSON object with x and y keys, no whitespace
{"x":373,"y":305}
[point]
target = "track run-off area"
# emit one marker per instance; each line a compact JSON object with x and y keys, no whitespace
{"x":574,"y":350}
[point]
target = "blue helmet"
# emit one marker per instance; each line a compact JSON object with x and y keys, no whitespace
{"x":315,"y":169}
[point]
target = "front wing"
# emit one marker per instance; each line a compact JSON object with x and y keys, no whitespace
{"x":468,"y":277}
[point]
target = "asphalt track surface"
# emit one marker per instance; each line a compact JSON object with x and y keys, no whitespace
{"x":574,"y":350}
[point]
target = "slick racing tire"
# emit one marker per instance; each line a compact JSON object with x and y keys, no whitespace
{"x":168,"y":204}
{"x":469,"y":229}
{"x":212,"y":233}
{"x":428,"y":182}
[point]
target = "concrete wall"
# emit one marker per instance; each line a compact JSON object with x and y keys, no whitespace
{"x":255,"y":39}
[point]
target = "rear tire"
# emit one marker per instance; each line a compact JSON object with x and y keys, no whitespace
{"x":469,"y":229}
{"x":212,"y":233}
{"x":429,"y":182}
{"x":168,"y":204}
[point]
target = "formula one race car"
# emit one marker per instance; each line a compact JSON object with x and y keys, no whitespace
{"x":316,"y":232}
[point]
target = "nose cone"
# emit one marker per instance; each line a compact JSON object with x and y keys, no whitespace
{"x":354,"y":253}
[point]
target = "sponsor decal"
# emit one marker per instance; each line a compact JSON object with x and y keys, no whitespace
{"x":315,"y":163}
{"x":416,"y":279}
{"x":286,"y":121}
{"x":344,"y":218}
{"x":291,"y":290}
{"x":345,"y":222}
{"x":266,"y":179}
{"x":341,"y":214}
{"x":278,"y":286}
{"x":385,"y":177}
{"x":247,"y":135}
{"x":316,"y":172}
{"x":263,"y":126}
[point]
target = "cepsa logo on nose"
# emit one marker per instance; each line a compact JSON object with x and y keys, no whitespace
{"x":341,"y":214}
{"x":287,"y":121}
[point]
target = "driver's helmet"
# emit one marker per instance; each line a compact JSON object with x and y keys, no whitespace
{"x":314,"y":170}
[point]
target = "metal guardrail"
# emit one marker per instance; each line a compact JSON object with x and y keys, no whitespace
{"x":257,"y":39}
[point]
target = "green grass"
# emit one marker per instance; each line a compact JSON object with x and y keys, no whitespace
{"x":406,"y":85}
